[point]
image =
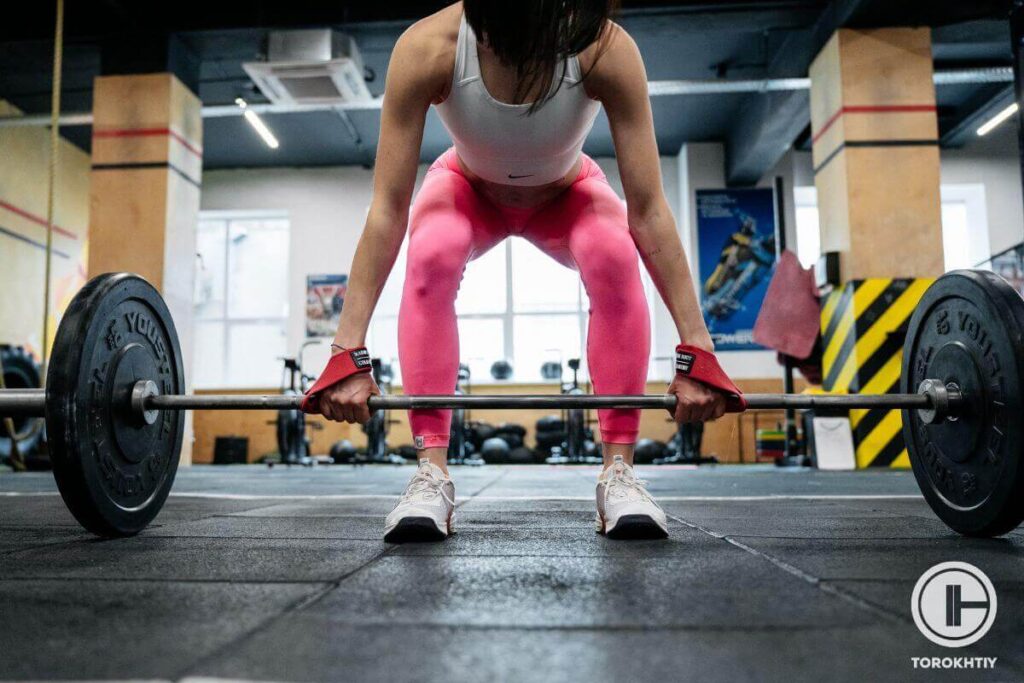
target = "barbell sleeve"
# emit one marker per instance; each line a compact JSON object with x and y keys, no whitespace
{"x":22,"y":403}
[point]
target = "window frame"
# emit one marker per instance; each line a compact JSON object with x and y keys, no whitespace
{"x":228,"y":322}
{"x":508,"y":318}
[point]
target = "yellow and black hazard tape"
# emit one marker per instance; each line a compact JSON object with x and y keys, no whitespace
{"x":863,"y":326}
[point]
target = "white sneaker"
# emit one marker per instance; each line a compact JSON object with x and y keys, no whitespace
{"x":426,"y":511}
{"x":624,"y":507}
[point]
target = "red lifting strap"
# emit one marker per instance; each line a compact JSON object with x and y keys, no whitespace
{"x":341,"y":365}
{"x":702,"y":366}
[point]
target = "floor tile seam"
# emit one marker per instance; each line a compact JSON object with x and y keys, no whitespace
{"x":295,"y":607}
{"x":39,"y":546}
{"x":501,"y":475}
{"x":833,"y":537}
{"x":807,"y":577}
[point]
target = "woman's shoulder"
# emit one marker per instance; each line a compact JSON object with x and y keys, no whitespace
{"x":609,"y":60}
{"x":428,"y":46}
{"x":613,"y":41}
{"x":434,"y":36}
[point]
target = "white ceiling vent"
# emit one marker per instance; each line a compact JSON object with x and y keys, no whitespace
{"x":316,"y":66}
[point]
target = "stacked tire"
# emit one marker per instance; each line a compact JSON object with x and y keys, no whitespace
{"x":550,"y":433}
{"x":22,"y":372}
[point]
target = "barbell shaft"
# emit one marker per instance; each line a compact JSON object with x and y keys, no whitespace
{"x":399,"y":402}
{"x":553,"y":401}
{"x":18,"y":403}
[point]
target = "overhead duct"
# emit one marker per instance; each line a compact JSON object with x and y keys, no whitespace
{"x":318,"y":67}
{"x":666,"y":88}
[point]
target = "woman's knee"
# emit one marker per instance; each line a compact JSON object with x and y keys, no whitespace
{"x":436,"y":259}
{"x":611,"y":273}
{"x":613,"y":258}
{"x":435,"y":263}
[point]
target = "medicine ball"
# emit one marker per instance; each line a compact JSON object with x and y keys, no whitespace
{"x":512,"y":434}
{"x":551,"y":370}
{"x":648,"y":449}
{"x":480,"y":432}
{"x":343,"y":452}
{"x":408,"y":451}
{"x":495,"y":450}
{"x":501,"y":369}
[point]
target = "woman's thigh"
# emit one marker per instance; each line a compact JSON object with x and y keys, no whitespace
{"x":448,"y":217}
{"x":586,"y":228}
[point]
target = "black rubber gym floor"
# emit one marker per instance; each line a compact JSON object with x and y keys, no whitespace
{"x":258,"y":574}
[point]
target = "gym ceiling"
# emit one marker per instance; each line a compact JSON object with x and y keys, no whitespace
{"x":727,"y":39}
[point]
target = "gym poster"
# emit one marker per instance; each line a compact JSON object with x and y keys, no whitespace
{"x":325,"y":295}
{"x":736,"y":250}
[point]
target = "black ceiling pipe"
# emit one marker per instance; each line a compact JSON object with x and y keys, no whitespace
{"x":150,"y":52}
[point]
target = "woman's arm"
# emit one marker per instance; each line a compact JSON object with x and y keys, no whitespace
{"x":416,"y":76}
{"x":619,"y":80}
{"x":412,"y":83}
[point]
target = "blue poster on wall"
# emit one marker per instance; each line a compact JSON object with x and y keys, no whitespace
{"x":736,"y":249}
{"x":325,"y":296}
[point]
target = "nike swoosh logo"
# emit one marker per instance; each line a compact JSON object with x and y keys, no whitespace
{"x":517,"y":177}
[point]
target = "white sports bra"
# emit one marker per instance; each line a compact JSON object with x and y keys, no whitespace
{"x":501,"y":143}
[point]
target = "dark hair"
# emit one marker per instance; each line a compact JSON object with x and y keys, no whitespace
{"x":535,"y":36}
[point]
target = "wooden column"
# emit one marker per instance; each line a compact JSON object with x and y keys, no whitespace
{"x":876,"y":154}
{"x":144,"y":200}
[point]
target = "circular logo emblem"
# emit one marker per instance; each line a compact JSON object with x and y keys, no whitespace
{"x":954,"y":604}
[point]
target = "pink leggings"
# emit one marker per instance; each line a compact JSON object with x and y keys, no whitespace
{"x":584,"y":228}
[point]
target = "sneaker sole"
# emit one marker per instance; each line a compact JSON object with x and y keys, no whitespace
{"x":415,"y":530}
{"x":635,"y":527}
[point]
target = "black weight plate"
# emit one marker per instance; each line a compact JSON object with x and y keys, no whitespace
{"x":113,"y":471}
{"x":969,"y":329}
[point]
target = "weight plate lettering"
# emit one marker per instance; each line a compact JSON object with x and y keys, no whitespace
{"x":113,"y":469}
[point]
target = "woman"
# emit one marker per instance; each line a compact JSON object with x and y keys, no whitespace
{"x":518,"y":86}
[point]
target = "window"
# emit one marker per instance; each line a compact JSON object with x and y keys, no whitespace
{"x":808,"y":233}
{"x":241,"y":299}
{"x":964,"y":226}
{"x":955,"y":237}
{"x":515,"y":303}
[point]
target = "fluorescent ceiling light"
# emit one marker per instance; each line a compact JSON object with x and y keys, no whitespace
{"x":257,"y":123}
{"x":998,"y":118}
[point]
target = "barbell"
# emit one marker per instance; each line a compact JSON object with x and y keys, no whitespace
{"x":145,"y":401}
{"x":114,"y":401}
